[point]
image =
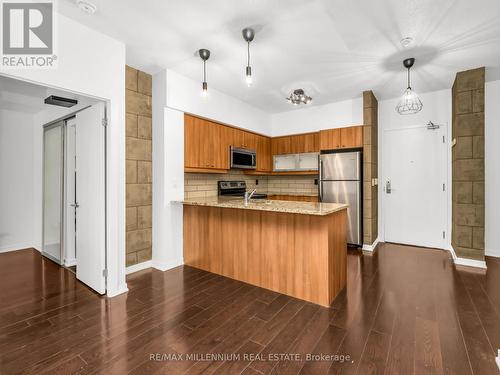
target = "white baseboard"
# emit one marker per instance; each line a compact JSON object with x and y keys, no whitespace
{"x":465,"y":261}
{"x":70,"y":262}
{"x":17,"y":246}
{"x":164,"y":266}
{"x":470,"y":262}
{"x":115,"y":292}
{"x":497,"y":359}
{"x":370,"y":247}
{"x":492,"y":253}
{"x":138,"y":267}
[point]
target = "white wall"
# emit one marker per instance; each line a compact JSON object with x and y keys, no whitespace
{"x":184,"y":94}
{"x":310,"y":119}
{"x":17,"y":229}
{"x":93,"y":64}
{"x":173,"y":95}
{"x":437,"y":108}
{"x":492,"y":168}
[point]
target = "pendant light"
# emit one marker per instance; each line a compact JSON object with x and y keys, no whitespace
{"x":410,"y":103}
{"x":205,"y":55}
{"x":248,"y":35}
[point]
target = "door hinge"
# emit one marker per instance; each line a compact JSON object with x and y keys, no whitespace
{"x":444,"y":187}
{"x":444,"y":234}
{"x":105,"y":273}
{"x":104,"y":122}
{"x":443,"y":139}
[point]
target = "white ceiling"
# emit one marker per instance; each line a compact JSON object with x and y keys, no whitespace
{"x":26,"y":97}
{"x":334,"y":49}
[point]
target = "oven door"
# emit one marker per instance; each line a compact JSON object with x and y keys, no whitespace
{"x":243,"y":158}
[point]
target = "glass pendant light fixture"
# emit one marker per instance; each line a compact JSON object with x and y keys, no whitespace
{"x":410,"y":103}
{"x":248,"y":35}
{"x":205,"y":55}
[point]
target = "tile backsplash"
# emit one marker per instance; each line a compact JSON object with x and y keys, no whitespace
{"x":198,"y":185}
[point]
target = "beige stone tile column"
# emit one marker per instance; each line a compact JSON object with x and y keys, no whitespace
{"x":468,"y":164}
{"x":138,"y":166}
{"x":370,"y":167}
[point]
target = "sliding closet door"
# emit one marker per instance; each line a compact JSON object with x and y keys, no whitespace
{"x":53,"y":179}
{"x":91,"y":197}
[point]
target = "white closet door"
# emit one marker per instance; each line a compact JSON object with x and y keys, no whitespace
{"x":90,"y":195}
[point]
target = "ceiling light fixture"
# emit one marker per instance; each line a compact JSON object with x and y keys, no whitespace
{"x":405,"y":42}
{"x":298,"y":96}
{"x":205,"y":55}
{"x":248,"y":35}
{"x":410,"y":103}
{"x":86,"y":6}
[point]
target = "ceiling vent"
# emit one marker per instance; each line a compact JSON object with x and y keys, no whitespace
{"x":60,"y":101}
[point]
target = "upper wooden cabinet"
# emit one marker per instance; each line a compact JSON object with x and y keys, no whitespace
{"x":304,"y":143}
{"x":329,"y":139}
{"x":206,"y":144}
{"x":295,"y":144}
{"x":280,"y":145}
{"x":350,"y":137}
{"x":264,"y":158}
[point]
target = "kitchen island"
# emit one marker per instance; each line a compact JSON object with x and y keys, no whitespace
{"x":295,"y":248}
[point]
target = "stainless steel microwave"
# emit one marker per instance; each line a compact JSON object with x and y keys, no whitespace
{"x":243,"y":158}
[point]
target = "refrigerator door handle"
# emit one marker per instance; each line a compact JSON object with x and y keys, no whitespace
{"x":320,"y":179}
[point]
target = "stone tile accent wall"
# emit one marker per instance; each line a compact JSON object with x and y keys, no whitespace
{"x":467,"y":236}
{"x":370,"y":167}
{"x":138,"y":166}
{"x":205,"y":184}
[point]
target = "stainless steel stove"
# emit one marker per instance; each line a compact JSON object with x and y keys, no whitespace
{"x":236,"y":189}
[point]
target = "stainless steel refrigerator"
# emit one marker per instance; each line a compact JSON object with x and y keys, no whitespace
{"x":340,"y":181}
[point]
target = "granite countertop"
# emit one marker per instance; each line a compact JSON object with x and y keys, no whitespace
{"x":304,"y":208}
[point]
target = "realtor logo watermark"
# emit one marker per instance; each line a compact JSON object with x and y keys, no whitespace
{"x":28,"y":34}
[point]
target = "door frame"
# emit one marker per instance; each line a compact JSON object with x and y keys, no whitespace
{"x":64,"y":119}
{"x":54,"y":124}
{"x":446,"y":243}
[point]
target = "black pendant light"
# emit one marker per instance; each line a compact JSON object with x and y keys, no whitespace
{"x":205,"y":55}
{"x":410,"y":103}
{"x":248,"y":35}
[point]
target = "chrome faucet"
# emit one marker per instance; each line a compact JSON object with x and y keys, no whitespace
{"x":249,"y":196}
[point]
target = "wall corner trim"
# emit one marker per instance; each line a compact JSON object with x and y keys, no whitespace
{"x":470,"y":262}
{"x":371,"y":247}
{"x":492,"y":253}
{"x":165,"y":266}
{"x":70,"y":262}
{"x":138,"y":267}
{"x":115,"y":292}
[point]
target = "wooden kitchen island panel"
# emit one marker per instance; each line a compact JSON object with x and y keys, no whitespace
{"x":299,"y":255}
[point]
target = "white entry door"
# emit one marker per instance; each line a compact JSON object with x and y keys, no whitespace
{"x":91,"y":197}
{"x":415,"y":197}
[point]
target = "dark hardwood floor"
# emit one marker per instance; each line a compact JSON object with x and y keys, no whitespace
{"x":405,"y":311}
